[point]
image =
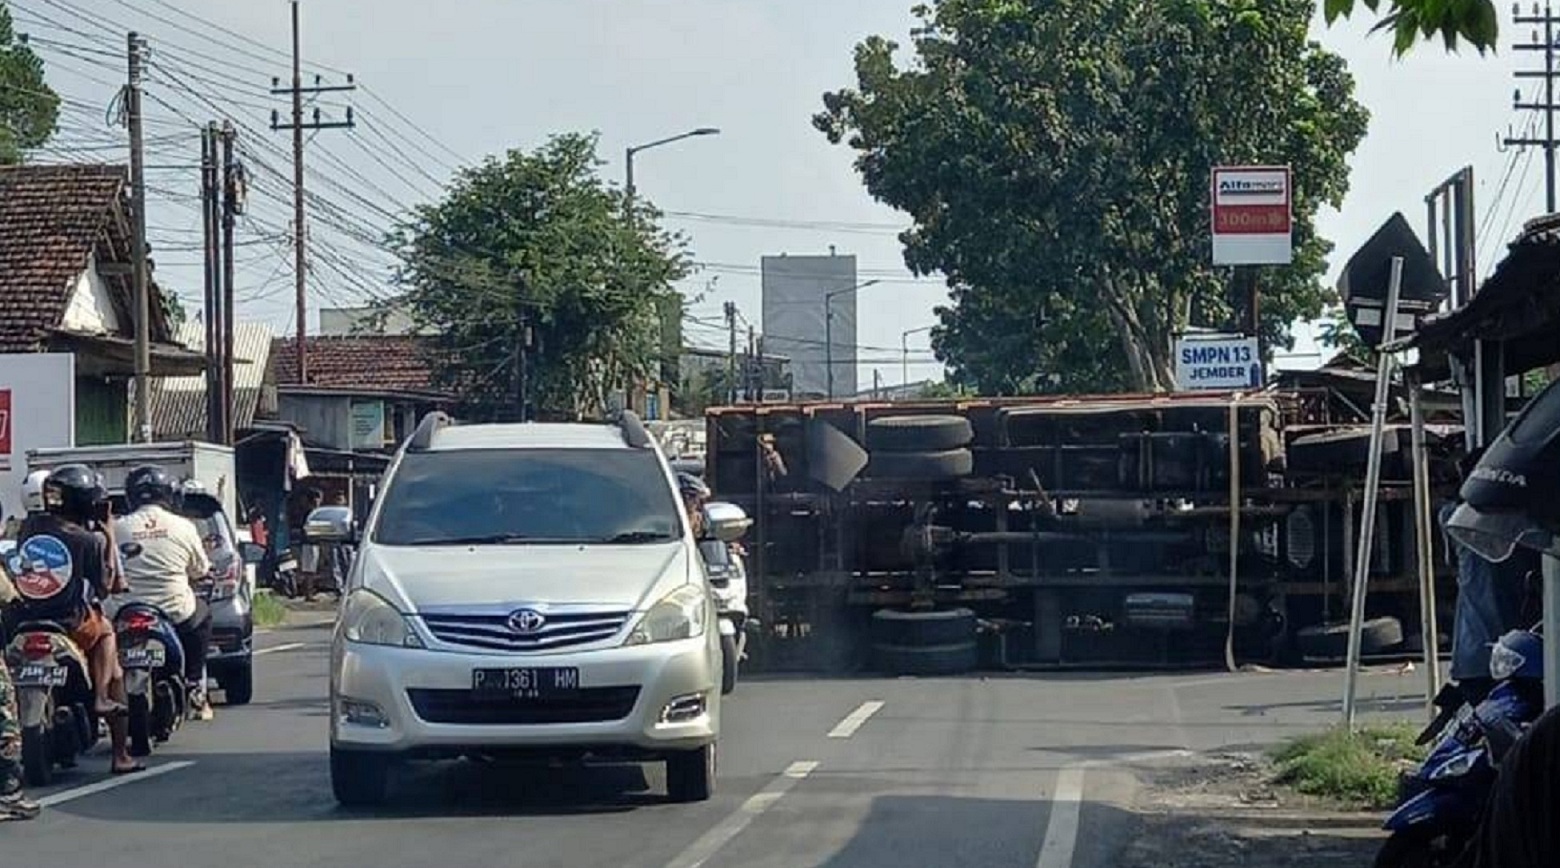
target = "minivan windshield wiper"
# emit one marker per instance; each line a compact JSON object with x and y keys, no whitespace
{"x":491,"y":539}
{"x":639,"y":536}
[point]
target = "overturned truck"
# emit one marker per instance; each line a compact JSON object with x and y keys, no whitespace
{"x":938,"y":537}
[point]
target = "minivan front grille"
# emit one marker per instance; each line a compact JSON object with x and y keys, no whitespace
{"x":494,"y":632}
{"x":589,"y":705}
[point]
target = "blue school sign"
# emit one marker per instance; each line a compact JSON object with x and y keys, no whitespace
{"x":1217,"y":364}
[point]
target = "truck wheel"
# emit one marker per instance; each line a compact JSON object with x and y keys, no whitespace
{"x":238,"y":683}
{"x":926,"y":659}
{"x":919,"y":433}
{"x":359,"y":778}
{"x":37,"y":759}
{"x":140,"y":725}
{"x":729,"y":660}
{"x":919,"y":628}
{"x":948,"y":464}
{"x":690,"y":775}
{"x":1331,"y":641}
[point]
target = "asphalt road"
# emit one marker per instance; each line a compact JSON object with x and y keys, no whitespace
{"x":1000,"y":771}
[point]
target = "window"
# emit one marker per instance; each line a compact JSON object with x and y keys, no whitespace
{"x":534,"y":496}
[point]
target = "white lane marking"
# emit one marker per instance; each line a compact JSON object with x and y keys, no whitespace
{"x":853,"y":721}
{"x":700,"y":851}
{"x":121,"y":780}
{"x":1061,"y":831}
{"x":275,"y":649}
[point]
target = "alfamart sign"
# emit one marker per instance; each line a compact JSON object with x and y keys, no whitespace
{"x":1217,"y":364}
{"x":1252,"y":222}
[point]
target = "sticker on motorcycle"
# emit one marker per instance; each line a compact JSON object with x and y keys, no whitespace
{"x":43,"y":568}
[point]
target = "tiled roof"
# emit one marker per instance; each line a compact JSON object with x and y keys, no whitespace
{"x":390,"y":363}
{"x":52,"y":219}
{"x":179,"y":403}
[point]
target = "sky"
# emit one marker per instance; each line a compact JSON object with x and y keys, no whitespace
{"x":450,"y":82}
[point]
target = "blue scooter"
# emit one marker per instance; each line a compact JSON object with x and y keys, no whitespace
{"x":1433,"y":825}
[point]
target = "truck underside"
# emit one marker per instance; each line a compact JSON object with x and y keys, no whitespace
{"x":940,"y":536}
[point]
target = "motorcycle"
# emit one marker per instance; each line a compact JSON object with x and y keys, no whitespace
{"x":1444,"y":798}
{"x":728,"y":580}
{"x":153,"y":662}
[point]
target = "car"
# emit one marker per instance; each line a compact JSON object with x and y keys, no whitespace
{"x":529,"y":591}
{"x":230,"y":591}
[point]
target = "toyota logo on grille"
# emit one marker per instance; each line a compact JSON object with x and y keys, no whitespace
{"x":526,"y":622}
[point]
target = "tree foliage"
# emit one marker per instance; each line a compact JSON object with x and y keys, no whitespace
{"x":28,"y":108}
{"x":536,"y":242}
{"x":1055,"y":161}
{"x":1410,"y":21}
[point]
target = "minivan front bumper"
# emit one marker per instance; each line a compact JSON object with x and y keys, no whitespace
{"x":419,"y":701}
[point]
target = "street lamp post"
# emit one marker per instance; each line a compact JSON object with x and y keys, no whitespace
{"x":904,"y":354}
{"x":828,"y":327}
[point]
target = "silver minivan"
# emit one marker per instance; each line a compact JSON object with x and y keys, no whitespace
{"x":525,"y":590}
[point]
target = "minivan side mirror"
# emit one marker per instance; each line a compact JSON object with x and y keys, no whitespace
{"x":726,"y":522}
{"x":251,"y":553}
{"x":330,"y":524}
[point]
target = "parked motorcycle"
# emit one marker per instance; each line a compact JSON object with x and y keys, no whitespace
{"x":153,"y":662}
{"x":1445,"y":796}
{"x":728,"y":580}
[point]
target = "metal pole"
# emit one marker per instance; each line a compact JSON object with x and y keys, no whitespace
{"x":1367,"y":538}
{"x":1424,"y":528}
{"x":299,"y":258}
{"x":1551,"y":569}
{"x":1229,"y":635}
{"x":1549,"y":109}
{"x":904,"y":359}
{"x":208,"y":193}
{"x":828,"y":341}
{"x":229,"y":311}
{"x":139,"y":277}
{"x":628,"y":182}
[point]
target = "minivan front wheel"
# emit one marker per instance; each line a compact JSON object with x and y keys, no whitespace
{"x":359,"y":778}
{"x":690,"y":775}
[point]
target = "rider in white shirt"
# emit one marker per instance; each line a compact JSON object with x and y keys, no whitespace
{"x":163,"y":555}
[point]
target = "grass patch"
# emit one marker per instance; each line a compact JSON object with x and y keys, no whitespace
{"x":269,"y":611}
{"x":1359,"y":768}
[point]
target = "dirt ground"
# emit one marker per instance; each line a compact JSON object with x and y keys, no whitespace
{"x":1222,"y":811}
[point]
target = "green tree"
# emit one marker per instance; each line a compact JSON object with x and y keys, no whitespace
{"x":535,"y":242}
{"x":1338,"y":333}
{"x":1064,"y":193}
{"x":28,"y":108}
{"x":1410,"y":21}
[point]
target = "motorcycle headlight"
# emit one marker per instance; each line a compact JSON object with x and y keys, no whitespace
{"x":679,"y":615}
{"x":368,"y":618}
{"x":1504,"y":662}
{"x":1457,"y":766}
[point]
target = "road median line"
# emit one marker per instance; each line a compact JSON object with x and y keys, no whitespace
{"x":854,"y":721}
{"x":710,"y":843}
{"x":92,"y":789}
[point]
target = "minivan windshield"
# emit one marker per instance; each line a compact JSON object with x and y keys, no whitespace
{"x":530,"y":496}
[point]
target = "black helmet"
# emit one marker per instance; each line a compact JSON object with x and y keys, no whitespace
{"x":74,"y":491}
{"x":150,"y":484}
{"x":692,"y":487}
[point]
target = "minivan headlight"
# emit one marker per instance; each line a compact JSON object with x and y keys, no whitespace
{"x":368,"y":618}
{"x":679,"y":615}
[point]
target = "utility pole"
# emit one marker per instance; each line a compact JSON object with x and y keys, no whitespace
{"x":232,"y":206}
{"x":213,"y":297}
{"x":1548,"y":107}
{"x":300,"y":258}
{"x":136,"y":46}
{"x":731,"y":355}
{"x":753,"y":371}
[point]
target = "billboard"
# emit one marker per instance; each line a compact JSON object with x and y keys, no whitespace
{"x":37,"y":410}
{"x":1252,"y":218}
{"x":1217,"y":364}
{"x":801,"y":293}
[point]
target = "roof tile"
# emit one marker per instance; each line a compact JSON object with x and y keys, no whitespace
{"x":392,"y":363}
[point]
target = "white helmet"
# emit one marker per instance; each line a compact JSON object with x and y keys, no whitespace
{"x":32,"y":490}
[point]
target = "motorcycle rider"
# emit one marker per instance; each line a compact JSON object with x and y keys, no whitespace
{"x":163,"y":554}
{"x":14,"y":804}
{"x":68,"y":562}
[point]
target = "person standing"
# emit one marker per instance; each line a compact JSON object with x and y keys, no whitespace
{"x":14,"y":804}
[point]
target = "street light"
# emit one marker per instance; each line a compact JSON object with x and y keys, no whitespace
{"x":904,"y":353}
{"x":628,"y":159}
{"x":828,"y":327}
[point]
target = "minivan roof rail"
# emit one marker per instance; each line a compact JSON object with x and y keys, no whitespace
{"x":431,"y":424}
{"x":634,"y":433}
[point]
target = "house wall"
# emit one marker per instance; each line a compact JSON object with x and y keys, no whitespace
{"x":327,"y":419}
{"x":102,"y":411}
{"x":90,"y":309}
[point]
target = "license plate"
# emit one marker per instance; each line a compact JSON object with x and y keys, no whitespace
{"x":524,"y":682}
{"x":41,"y":675}
{"x":142,"y":658}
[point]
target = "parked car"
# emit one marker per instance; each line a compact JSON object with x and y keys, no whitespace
{"x":530,"y":590}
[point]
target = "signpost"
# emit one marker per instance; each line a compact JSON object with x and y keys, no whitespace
{"x":1218,"y":363}
{"x":1252,"y":220}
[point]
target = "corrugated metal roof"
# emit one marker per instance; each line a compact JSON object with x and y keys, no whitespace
{"x":179,"y":403}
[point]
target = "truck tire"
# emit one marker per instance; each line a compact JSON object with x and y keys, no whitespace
{"x":919,"y":433}
{"x":923,"y":629}
{"x":1331,"y":641}
{"x":947,"y":464}
{"x":954,"y":659}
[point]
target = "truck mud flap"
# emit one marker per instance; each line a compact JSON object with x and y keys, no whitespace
{"x":833,"y":459}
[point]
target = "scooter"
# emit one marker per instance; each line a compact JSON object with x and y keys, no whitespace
{"x":54,"y":699}
{"x":153,"y":662}
{"x":728,"y":580}
{"x":1445,"y":796}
